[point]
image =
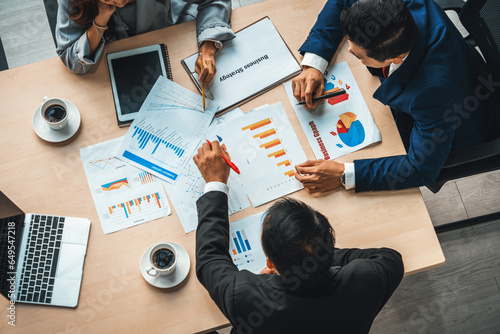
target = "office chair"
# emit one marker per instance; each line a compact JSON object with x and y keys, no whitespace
{"x":3,"y":59}
{"x":481,"y":18}
{"x":51,"y":8}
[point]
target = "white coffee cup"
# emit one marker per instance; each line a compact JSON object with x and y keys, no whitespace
{"x":55,"y":117}
{"x":162,"y":259}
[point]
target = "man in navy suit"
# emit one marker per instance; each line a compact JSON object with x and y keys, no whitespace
{"x":437,"y":86}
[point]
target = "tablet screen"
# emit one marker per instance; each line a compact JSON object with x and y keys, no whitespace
{"x":134,"y":77}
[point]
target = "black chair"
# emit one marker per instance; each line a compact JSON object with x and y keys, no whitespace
{"x":51,"y":8}
{"x":3,"y":60}
{"x":481,"y":18}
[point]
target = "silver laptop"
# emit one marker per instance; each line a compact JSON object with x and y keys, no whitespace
{"x":41,"y":256}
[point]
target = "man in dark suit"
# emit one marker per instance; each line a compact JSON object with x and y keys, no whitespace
{"x":308,"y":285}
{"x":437,"y":87}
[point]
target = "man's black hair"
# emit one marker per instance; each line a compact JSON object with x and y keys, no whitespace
{"x":297,"y":237}
{"x":384,"y":28}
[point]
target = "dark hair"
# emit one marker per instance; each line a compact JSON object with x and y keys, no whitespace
{"x":384,"y":28}
{"x":294,"y":234}
{"x":83,"y":12}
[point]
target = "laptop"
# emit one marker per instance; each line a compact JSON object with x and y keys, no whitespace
{"x":41,"y":256}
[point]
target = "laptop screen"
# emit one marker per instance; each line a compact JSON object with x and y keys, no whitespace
{"x":11,"y":225}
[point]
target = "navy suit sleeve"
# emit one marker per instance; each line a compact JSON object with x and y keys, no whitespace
{"x":326,"y":34}
{"x":435,"y":113}
{"x":214,"y":267}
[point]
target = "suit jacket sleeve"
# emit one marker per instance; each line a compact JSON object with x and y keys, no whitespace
{"x":214,"y":267}
{"x":326,"y":34}
{"x":387,"y":264}
{"x":430,"y":144}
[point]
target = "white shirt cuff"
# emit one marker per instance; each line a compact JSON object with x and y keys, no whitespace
{"x":216,"y":186}
{"x":313,"y":60}
{"x":350,"y":182}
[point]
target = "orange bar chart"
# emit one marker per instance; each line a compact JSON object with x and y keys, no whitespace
{"x":277,"y":154}
{"x":285,"y":162}
{"x":270,"y":144}
{"x":265,"y":134}
{"x":290,"y":173}
{"x":257,"y":125}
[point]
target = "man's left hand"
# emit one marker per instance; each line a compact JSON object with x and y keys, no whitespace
{"x":207,"y":56}
{"x":211,"y":164}
{"x":319,"y":176}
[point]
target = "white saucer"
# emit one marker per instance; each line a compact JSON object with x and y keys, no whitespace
{"x":169,"y":281}
{"x":43,"y":131}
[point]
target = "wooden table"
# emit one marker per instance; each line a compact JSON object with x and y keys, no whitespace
{"x":49,"y":178}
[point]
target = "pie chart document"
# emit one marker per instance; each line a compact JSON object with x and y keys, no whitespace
{"x":339,"y":125}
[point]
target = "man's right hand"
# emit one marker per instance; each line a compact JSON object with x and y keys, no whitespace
{"x":307,"y":85}
{"x":211,"y":164}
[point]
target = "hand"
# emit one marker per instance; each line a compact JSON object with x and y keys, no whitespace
{"x":266,"y":270}
{"x":211,"y":164}
{"x":319,"y":176}
{"x":207,"y":56}
{"x":308,"y":84}
{"x":104,"y":13}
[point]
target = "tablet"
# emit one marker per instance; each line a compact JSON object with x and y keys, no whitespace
{"x":133,"y":73}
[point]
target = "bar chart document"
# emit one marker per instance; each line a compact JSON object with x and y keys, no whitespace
{"x":341,"y":124}
{"x":244,"y":243}
{"x":265,"y":148}
{"x":256,"y":60}
{"x":189,"y":187}
{"x":166,"y":131}
{"x":124,"y":195}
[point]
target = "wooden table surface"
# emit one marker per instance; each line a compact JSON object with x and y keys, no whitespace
{"x":49,"y":178}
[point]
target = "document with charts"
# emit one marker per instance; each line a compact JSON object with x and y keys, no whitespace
{"x":189,"y":187}
{"x":124,"y":195}
{"x":341,"y":124}
{"x":167,"y":129}
{"x":265,"y":148}
{"x":245,"y":247}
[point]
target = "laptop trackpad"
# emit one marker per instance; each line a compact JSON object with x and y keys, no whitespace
{"x":70,"y":265}
{"x":76,"y":231}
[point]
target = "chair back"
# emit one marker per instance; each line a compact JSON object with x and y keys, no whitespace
{"x":51,"y":8}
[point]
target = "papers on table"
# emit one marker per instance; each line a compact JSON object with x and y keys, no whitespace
{"x":339,"y":125}
{"x":189,"y":187}
{"x":124,"y":196}
{"x":245,"y":247}
{"x":166,"y":131}
{"x":256,"y":60}
{"x":265,"y":148}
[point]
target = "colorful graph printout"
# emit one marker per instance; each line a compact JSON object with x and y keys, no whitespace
{"x":339,"y":125}
{"x":265,"y":148}
{"x":167,"y":130}
{"x":189,"y":186}
{"x":244,"y":243}
{"x":124,"y":195}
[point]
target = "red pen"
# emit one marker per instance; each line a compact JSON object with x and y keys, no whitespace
{"x":229,"y":162}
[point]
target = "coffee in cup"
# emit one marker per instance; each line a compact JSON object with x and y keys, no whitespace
{"x":163,"y":259}
{"x":54,"y":112}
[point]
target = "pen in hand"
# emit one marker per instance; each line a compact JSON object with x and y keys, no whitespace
{"x":203,"y":89}
{"x":326,"y":96}
{"x":229,"y":162}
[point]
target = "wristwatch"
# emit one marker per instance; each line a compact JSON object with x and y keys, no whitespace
{"x":342,"y":179}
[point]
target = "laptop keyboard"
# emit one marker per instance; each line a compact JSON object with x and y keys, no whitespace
{"x":40,"y":262}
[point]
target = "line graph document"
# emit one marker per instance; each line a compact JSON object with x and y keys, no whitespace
{"x":167,"y":129}
{"x":341,"y":124}
{"x":189,"y":187}
{"x":124,"y":195}
{"x":245,"y":247}
{"x":265,"y":148}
